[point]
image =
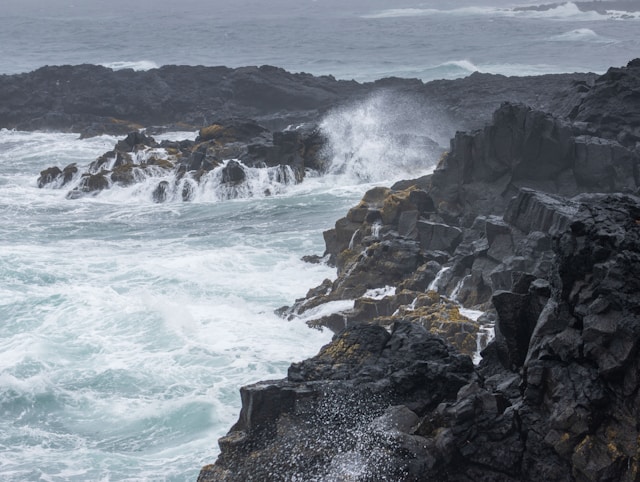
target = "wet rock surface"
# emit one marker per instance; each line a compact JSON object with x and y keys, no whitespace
{"x":225,"y":154}
{"x":555,"y":397}
{"x":533,"y":220}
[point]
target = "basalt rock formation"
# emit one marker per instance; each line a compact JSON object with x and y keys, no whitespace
{"x":534,"y":220}
{"x":555,"y":398}
{"x":468,"y":221}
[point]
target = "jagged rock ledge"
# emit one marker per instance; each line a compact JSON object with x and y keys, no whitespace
{"x":536,"y":217}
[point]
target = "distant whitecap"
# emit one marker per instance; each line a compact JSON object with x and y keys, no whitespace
{"x":560,"y":11}
{"x":580,"y":35}
{"x":135,"y":65}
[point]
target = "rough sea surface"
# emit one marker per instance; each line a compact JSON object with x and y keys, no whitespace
{"x":127,"y":327}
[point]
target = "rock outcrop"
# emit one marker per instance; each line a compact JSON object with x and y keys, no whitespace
{"x":226,"y":155}
{"x":533,"y":220}
{"x":555,"y":398}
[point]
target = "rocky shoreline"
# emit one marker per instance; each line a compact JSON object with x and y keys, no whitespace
{"x":528,"y":228}
{"x":535,"y":221}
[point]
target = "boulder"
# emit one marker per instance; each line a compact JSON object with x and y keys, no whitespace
{"x":438,"y":236}
{"x":233,"y":173}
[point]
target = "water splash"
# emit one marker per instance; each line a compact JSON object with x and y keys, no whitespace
{"x":459,"y":285}
{"x":383,"y":138}
{"x":258,"y":182}
{"x":375,"y":229}
{"x":380,"y":293}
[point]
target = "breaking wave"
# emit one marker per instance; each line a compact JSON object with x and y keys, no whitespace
{"x":580,"y":35}
{"x":383,"y":138}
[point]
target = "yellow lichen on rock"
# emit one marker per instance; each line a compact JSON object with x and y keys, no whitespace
{"x":340,"y":350}
{"x":211,"y":132}
{"x":394,"y":204}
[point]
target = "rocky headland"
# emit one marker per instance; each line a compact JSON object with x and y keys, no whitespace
{"x":485,"y":316}
{"x":532,"y":220}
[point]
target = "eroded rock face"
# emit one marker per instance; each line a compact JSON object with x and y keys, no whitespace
{"x":333,"y":412}
{"x":485,"y":217}
{"x":557,"y":396}
{"x":527,"y":148}
{"x":611,"y":107}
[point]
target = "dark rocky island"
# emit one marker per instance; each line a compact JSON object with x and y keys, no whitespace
{"x":92,"y":100}
{"x":529,"y":227}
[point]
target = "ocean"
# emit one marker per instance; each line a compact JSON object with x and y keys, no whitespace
{"x":127,"y":327}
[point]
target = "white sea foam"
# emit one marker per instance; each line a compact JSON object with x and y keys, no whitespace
{"x":425,"y":12}
{"x":436,"y":284}
{"x":129,"y":327}
{"x":486,"y":334}
{"x":465,"y":65}
{"x":380,"y":293}
{"x":471,"y":314}
{"x":516,"y":69}
{"x":326,"y":309}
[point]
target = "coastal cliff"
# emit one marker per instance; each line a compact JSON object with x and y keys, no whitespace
{"x":534,"y":220}
{"x":485,"y":316}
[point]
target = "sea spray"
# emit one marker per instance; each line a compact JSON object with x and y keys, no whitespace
{"x":383,"y":138}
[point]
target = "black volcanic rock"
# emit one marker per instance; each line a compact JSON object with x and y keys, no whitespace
{"x":335,"y":412}
{"x":528,"y":148}
{"x":85,"y":96}
{"x":556,"y":397}
{"x":611,"y":107}
{"x":233,"y":145}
